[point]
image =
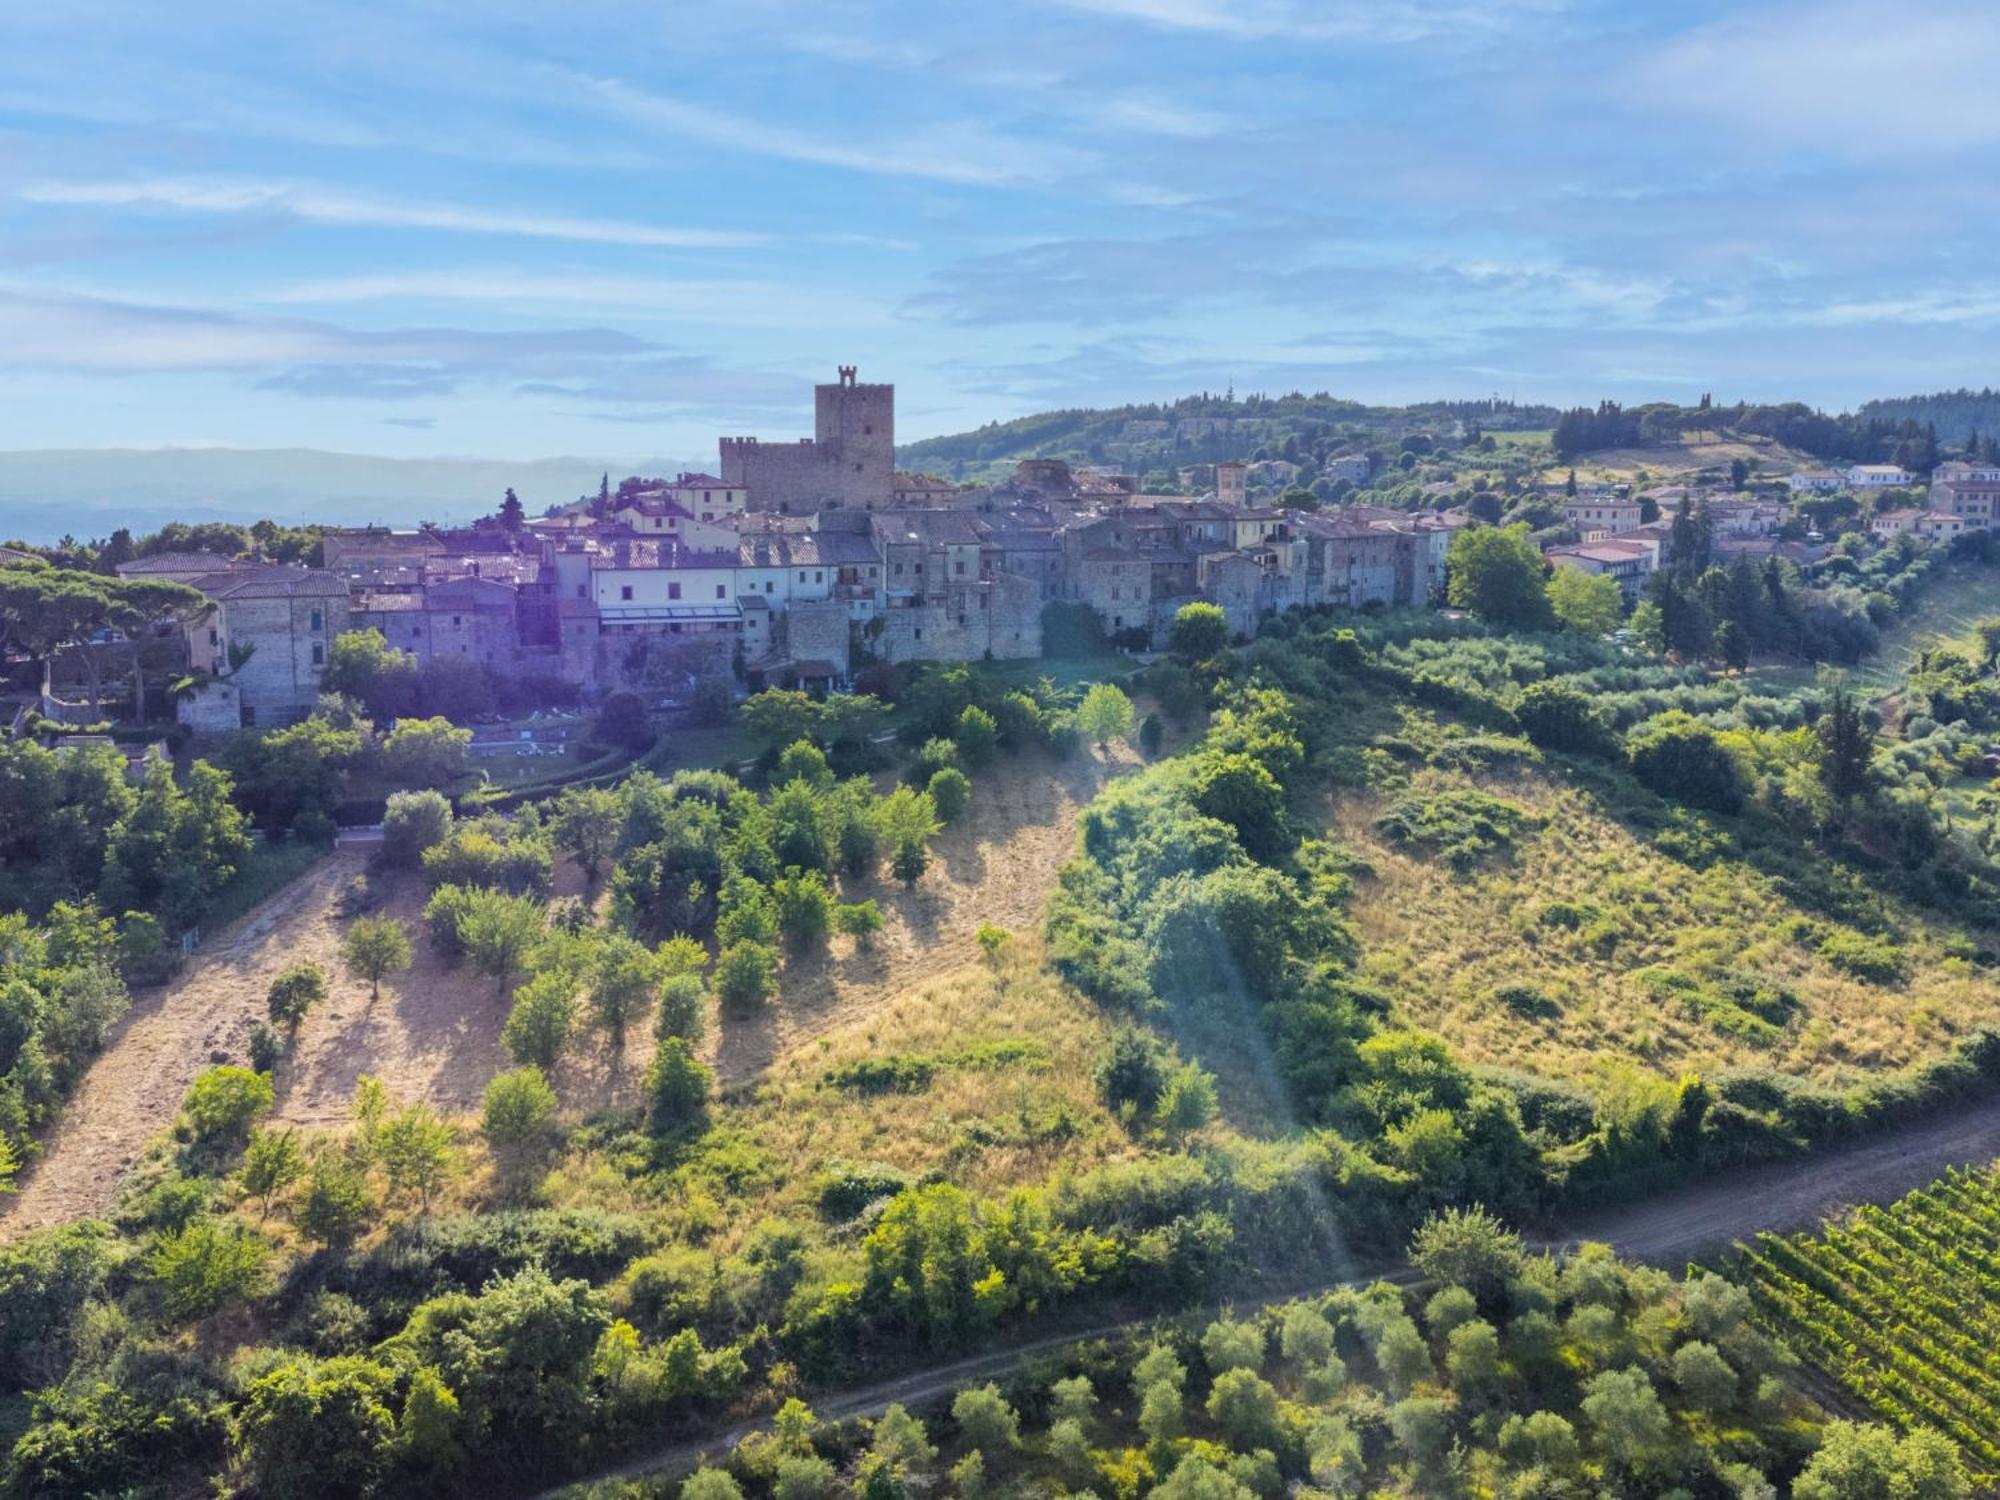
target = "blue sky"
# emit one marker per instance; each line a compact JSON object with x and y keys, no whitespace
{"x":515,"y":229}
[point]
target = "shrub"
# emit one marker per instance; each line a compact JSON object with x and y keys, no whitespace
{"x":1864,"y":957}
{"x":977,"y":733}
{"x":295,"y":992}
{"x":312,"y":1428}
{"x":951,"y":793}
{"x":543,"y":1016}
{"x":677,"y":1089}
{"x":744,"y":976}
{"x":860,"y":921}
{"x":225,"y":1101}
{"x":985,"y":1420}
{"x":518,"y":1110}
{"x":413,"y":822}
{"x":683,"y":1008}
{"x":208,"y":1263}
{"x":1680,"y":757}
{"x":1459,"y":824}
{"x":335,"y":1206}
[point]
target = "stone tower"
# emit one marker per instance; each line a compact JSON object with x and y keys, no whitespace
{"x":850,"y":459}
{"x":1232,"y":485}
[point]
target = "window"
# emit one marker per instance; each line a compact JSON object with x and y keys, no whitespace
{"x":802,"y":575}
{"x":316,"y":625}
{"x":579,"y":591}
{"x":768,"y":586}
{"x":455,"y":620}
{"x":721,"y":592}
{"x":819,"y":575}
{"x":319,"y":655}
{"x":625,"y":591}
{"x":918,"y":633}
{"x":673,"y":591}
{"x":958,"y":568}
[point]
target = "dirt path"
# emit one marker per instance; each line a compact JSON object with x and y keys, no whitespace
{"x":132,"y":1091}
{"x":1667,"y":1231}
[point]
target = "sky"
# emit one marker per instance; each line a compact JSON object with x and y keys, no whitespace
{"x":513,"y":229}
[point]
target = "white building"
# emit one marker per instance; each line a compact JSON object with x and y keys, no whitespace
{"x":1877,"y":477}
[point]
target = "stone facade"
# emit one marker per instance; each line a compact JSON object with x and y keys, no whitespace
{"x":999,"y":618}
{"x":285,"y":619}
{"x":471,"y":618}
{"x":849,"y":460}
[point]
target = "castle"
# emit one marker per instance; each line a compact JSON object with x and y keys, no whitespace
{"x":849,"y":461}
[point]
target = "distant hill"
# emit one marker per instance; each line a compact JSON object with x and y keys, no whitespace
{"x":1957,"y":415}
{"x":49,"y":493}
{"x":1208,"y":429}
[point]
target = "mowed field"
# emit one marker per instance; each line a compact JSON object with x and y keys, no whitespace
{"x":434,"y":1034}
{"x":1549,"y":957}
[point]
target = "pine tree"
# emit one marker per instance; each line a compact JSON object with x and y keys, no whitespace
{"x":511,"y":511}
{"x":1845,"y":746}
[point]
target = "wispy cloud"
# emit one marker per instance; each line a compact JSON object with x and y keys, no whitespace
{"x":307,"y":357}
{"x":948,"y":151}
{"x":296,"y":201}
{"x":1835,"y":76}
{"x":1381,"y":21}
{"x":736,"y":302}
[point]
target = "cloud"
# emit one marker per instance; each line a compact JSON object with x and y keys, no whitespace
{"x":1829,"y":76}
{"x":292,"y":201}
{"x":415,"y":424}
{"x":45,"y":332}
{"x":938,"y":151}
{"x":1376,"y":21}
{"x":736,"y":302}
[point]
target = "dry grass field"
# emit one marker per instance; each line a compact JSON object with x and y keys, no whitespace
{"x":1539,"y":957}
{"x":434,"y":1035}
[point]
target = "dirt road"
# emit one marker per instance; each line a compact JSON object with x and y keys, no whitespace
{"x":1668,"y":1230}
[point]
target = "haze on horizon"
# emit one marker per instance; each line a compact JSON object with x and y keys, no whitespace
{"x":516,"y":230}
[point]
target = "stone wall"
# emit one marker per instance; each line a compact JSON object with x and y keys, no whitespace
{"x":1001,"y":617}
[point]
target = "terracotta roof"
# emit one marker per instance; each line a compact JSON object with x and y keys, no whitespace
{"x":274,"y":581}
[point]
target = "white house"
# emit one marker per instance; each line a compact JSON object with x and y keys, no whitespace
{"x":1816,"y":482}
{"x":1877,"y":476}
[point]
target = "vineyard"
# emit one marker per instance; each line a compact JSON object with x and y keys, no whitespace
{"x":1901,"y":1306}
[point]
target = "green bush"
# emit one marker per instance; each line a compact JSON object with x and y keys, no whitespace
{"x":225,"y":1101}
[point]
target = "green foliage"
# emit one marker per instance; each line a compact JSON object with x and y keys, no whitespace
{"x":223,"y":1102}
{"x":1497,"y":573}
{"x":412,"y":824}
{"x":1680,"y":757}
{"x":295,"y":992}
{"x":678,"y":1086}
{"x":425,"y":752}
{"x":744,"y":977}
{"x":985,"y":1420}
{"x":1105,"y":714}
{"x":950,"y":791}
{"x":518,"y":1110}
{"x":312,"y":1428}
{"x":542,"y":1020}
{"x":1199,"y":631}
{"x":374,"y":948}
{"x":335,"y":1206}
{"x":1588,"y":603}
{"x":1460,"y":825}
{"x":272,"y":1162}
{"x":199,"y":1268}
{"x":497,"y":931}
{"x":1470,"y":1248}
